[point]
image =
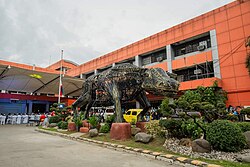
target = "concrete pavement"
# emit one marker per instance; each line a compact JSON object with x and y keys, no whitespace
{"x":22,"y":146}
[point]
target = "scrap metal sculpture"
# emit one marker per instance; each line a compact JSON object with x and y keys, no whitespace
{"x":125,"y":82}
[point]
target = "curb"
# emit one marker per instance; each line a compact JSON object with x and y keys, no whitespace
{"x":155,"y":155}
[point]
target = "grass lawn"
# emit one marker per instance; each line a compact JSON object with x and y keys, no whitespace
{"x":157,"y":146}
{"x":55,"y":130}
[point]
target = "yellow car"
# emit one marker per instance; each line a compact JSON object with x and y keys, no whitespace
{"x":131,"y":115}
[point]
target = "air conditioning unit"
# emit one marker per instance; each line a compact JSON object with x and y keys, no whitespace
{"x":159,"y":59}
{"x":198,"y":71}
{"x":180,"y":78}
{"x":202,"y":46}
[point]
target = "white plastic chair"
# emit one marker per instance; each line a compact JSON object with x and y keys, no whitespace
{"x":18,"y":120}
{"x":14,"y":118}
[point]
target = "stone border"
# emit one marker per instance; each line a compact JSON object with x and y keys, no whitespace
{"x":154,"y":155}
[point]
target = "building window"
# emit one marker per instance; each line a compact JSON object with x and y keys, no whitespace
{"x":195,"y":44}
{"x":157,"y":56}
{"x":198,"y":71}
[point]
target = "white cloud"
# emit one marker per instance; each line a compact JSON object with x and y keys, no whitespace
{"x":36,"y":31}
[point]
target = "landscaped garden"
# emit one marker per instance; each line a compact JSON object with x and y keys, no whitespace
{"x":195,"y":125}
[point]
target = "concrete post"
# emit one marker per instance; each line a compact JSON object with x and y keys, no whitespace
{"x":170,"y":57}
{"x":138,"y":61}
{"x":215,"y":54}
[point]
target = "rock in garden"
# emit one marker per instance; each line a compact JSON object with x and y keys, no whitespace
{"x":201,"y":146}
{"x":247,"y":135}
{"x":185,"y":142}
{"x":143,"y":137}
{"x":93,"y":133}
{"x":134,"y":131}
{"x":242,"y":158}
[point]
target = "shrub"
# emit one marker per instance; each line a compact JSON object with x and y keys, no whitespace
{"x":165,"y":109}
{"x":173,"y":126}
{"x":245,"y":111}
{"x":54,"y":119}
{"x":244,"y":126}
{"x":104,"y":128}
{"x":154,"y":128}
{"x":110,"y":119}
{"x":225,"y":136}
{"x":78,"y":120}
{"x":64,"y":125}
{"x":94,"y":121}
{"x":59,"y":124}
{"x":232,"y":117}
{"x":191,"y":130}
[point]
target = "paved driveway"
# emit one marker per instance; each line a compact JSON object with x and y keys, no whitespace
{"x":21,"y":146}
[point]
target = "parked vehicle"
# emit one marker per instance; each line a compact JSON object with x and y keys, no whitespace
{"x":132,"y":115}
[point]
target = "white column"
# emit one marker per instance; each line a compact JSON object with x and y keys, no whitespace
{"x":215,"y":54}
{"x":170,"y":57}
{"x":138,"y":61}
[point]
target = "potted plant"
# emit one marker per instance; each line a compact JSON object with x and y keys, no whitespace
{"x":94,"y":122}
{"x":78,"y":121}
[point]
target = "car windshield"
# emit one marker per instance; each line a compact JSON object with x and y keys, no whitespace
{"x":128,"y":113}
{"x":134,"y":113}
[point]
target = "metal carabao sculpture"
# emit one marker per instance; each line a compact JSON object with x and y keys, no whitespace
{"x":125,"y":82}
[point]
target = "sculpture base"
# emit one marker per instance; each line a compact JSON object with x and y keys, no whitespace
{"x":141,"y":125}
{"x":84,"y":130}
{"x":71,"y":126}
{"x":120,"y":131}
{"x":85,"y":124}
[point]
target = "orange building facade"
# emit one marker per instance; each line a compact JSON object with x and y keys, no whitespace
{"x":206,"y":48}
{"x":201,"y":50}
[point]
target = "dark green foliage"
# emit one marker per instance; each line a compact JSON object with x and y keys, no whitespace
{"x":62,"y":125}
{"x":225,"y":136}
{"x":181,"y":103}
{"x":110,"y":119}
{"x":52,"y":109}
{"x":104,"y":128}
{"x":55,"y":105}
{"x":165,"y":108}
{"x":182,"y":128}
{"x":245,"y":111}
{"x":244,"y":126}
{"x":203,"y":98}
{"x":208,"y":107}
{"x":61,"y":112}
{"x":173,"y":126}
{"x":59,"y":124}
{"x":190,"y":129}
{"x":232,"y":117}
{"x":94,"y":120}
{"x":54,"y":119}
{"x":78,"y":120}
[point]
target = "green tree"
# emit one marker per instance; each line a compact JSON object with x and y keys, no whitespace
{"x":165,"y":108}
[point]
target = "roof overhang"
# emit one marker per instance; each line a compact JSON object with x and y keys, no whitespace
{"x":32,"y":81}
